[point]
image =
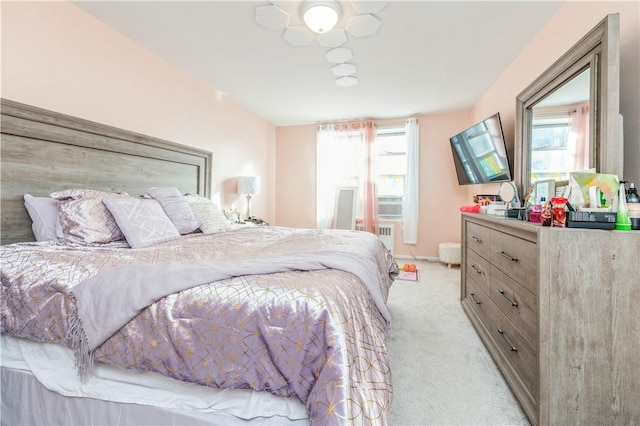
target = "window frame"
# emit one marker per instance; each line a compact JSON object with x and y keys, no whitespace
{"x":393,"y":200}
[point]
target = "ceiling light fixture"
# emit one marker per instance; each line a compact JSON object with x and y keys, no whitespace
{"x":321,"y":16}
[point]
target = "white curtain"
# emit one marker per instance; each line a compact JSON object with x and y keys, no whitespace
{"x":411,"y":198}
{"x":336,"y":148}
{"x":344,"y":155}
{"x":326,"y":141}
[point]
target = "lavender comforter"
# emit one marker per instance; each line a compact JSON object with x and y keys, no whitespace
{"x":315,"y":334}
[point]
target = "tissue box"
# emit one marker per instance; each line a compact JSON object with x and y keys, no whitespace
{"x":498,"y":209}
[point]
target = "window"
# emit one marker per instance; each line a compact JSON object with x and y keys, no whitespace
{"x":390,"y":165}
{"x":549,"y":145}
{"x":373,"y":159}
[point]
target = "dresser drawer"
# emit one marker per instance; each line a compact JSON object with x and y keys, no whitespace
{"x":516,"y":257}
{"x":480,"y":302}
{"x":478,"y":239}
{"x":479,"y":271}
{"x":517,"y":303}
{"x":520,"y":354}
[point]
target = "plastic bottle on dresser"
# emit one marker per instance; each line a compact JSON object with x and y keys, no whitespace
{"x":633,"y":205}
{"x":535,"y":211}
{"x":547,"y":214}
{"x":622,"y":216}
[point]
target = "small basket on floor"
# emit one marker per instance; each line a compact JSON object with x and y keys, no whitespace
{"x":449,"y":253}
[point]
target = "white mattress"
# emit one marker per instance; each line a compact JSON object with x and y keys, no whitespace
{"x":53,"y":366}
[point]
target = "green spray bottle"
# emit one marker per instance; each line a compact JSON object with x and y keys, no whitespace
{"x":623,"y":223}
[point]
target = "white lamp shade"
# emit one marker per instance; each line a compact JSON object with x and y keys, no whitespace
{"x":248,"y":185}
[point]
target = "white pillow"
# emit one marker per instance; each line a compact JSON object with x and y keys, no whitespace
{"x":44,"y":217}
{"x":209,"y":214}
{"x":142,"y":221}
{"x":175,"y":206}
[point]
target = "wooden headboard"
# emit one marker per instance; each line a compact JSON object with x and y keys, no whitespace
{"x":44,"y":151}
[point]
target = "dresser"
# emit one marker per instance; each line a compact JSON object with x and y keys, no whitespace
{"x":559,"y":311}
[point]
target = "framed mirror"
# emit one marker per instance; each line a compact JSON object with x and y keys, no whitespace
{"x":345,"y":207}
{"x":568,"y":118}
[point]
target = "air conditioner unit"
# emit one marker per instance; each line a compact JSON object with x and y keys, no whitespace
{"x":385,"y":232}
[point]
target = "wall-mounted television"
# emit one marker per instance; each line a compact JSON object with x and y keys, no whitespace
{"x":480,"y":153}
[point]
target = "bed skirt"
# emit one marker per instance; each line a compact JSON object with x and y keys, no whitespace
{"x":41,"y":387}
{"x":26,"y":402}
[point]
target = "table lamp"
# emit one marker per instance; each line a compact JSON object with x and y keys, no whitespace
{"x":248,"y":185}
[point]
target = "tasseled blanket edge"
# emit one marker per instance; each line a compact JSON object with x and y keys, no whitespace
{"x":78,"y":341}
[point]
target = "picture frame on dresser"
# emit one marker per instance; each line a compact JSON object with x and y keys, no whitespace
{"x":545,"y":189}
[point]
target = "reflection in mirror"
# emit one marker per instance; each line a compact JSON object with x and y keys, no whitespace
{"x":560,"y":133}
{"x":568,"y":118}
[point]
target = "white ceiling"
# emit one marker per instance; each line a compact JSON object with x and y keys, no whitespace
{"x":427,"y":57}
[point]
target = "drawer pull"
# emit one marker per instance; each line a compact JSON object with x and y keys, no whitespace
{"x":504,"y":339}
{"x":513,"y":303}
{"x":511,"y":258}
{"x":476,"y":239}
{"x":475,"y":268}
{"x":473,"y":296}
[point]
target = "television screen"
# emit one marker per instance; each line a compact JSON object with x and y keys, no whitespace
{"x":480,"y":153}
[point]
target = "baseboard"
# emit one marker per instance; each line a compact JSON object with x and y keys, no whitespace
{"x":426,"y":258}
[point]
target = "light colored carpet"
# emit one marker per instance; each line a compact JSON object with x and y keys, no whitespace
{"x":442,"y":373}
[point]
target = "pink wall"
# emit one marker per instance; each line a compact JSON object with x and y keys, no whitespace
{"x":440,"y":194}
{"x":58,"y":57}
{"x":296,"y":176}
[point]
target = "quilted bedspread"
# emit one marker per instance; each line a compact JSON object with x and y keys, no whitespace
{"x":317,"y":335}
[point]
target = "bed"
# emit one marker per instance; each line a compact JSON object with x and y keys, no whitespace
{"x":220,"y":324}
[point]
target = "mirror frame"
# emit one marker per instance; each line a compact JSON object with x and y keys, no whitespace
{"x":600,"y":50}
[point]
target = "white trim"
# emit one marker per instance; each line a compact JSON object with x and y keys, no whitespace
{"x":427,"y":258}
